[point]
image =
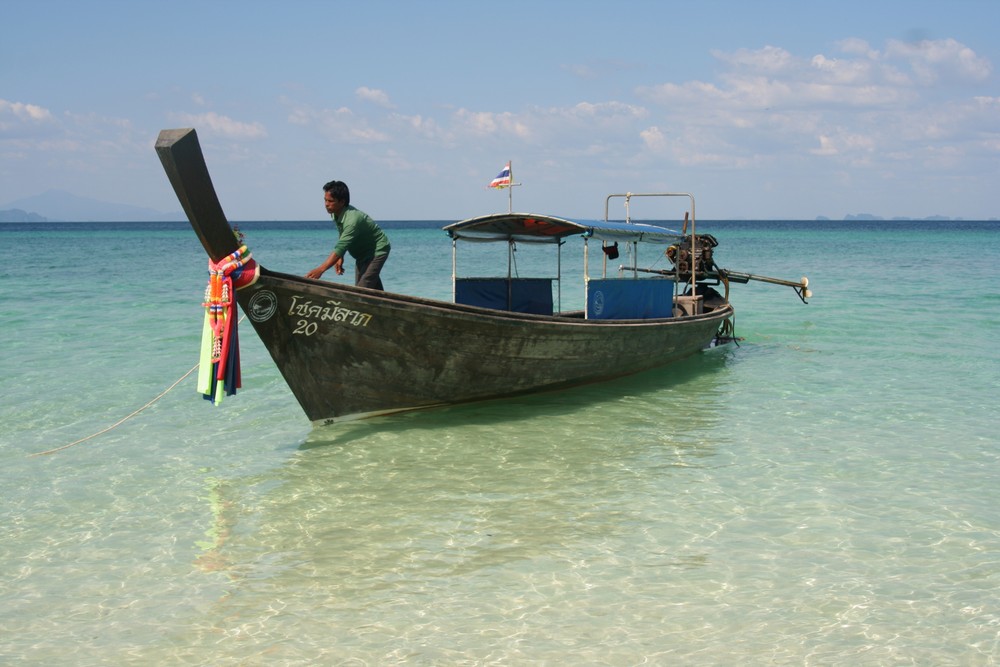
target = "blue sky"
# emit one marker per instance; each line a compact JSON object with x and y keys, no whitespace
{"x":760,"y":109}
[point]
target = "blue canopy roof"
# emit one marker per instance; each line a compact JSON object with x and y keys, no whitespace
{"x":534,"y":228}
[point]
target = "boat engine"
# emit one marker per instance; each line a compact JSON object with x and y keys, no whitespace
{"x":682,"y":257}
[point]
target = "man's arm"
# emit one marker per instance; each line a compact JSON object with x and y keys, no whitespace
{"x":334,"y":260}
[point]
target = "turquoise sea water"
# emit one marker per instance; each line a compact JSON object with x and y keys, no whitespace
{"x":824,"y":494}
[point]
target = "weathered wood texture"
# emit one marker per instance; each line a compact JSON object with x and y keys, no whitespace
{"x":184,"y":163}
{"x":348,"y":352}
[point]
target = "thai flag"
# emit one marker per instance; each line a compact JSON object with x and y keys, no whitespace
{"x":503,"y":178}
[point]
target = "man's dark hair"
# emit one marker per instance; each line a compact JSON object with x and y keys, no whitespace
{"x":338,"y":190}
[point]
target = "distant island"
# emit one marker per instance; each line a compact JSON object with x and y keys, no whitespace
{"x":61,"y":206}
{"x":868,"y":217}
{"x":17,"y":215}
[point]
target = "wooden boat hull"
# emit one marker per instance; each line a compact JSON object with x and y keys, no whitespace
{"x":349,"y":352}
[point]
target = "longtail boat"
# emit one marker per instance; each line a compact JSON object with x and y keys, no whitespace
{"x":349,"y":352}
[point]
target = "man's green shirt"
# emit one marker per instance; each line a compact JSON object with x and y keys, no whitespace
{"x":360,"y":235}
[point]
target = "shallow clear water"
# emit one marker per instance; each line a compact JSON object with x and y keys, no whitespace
{"x":825,"y":493}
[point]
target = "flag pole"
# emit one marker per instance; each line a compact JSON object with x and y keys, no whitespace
{"x":510,"y":189}
{"x":499,"y":183}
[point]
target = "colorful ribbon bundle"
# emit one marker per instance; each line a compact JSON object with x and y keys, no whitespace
{"x":219,"y":370}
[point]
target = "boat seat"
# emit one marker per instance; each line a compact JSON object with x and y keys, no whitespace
{"x":518,"y":295}
{"x":629,"y":298}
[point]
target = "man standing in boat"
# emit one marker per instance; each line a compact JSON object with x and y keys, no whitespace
{"x":359,"y":235}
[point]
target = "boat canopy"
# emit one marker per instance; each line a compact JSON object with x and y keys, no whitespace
{"x":534,"y":228}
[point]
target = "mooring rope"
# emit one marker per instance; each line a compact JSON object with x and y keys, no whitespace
{"x":124,"y":419}
{"x":121,"y":421}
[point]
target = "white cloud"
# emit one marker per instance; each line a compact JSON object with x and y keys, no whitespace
{"x":826,"y":146}
{"x":654,"y":138}
{"x":503,"y":124}
{"x":25,"y":111}
{"x":603,"y":111}
{"x":16,"y":116}
{"x":421,"y":126}
{"x":538,"y":124}
{"x":934,"y":60}
{"x":857,"y":47}
{"x":767,"y":59}
{"x":844,"y":142}
{"x":859,"y":106}
{"x":375,"y":96}
{"x":843,"y":72}
{"x":222,"y":125}
{"x":853,"y":107}
{"x":338,"y":125}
